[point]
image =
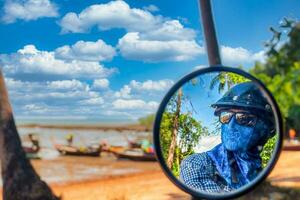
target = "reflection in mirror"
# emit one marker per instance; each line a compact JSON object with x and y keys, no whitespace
{"x":217,"y":132}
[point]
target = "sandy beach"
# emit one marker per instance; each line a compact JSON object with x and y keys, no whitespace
{"x":130,"y":180}
{"x":123,"y":179}
{"x":146,"y":186}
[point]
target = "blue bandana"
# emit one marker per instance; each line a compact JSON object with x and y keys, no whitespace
{"x":237,"y":158}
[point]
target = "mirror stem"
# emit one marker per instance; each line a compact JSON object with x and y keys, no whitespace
{"x":210,"y":33}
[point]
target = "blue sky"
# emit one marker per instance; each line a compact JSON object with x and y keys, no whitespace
{"x":113,"y":61}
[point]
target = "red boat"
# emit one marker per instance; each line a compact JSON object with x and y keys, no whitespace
{"x":31,"y":150}
{"x":32,"y":153}
{"x":291,"y":146}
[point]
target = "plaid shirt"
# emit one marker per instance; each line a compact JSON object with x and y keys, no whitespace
{"x":198,"y":172}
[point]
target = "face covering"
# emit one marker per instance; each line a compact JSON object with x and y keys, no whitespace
{"x":237,"y":158}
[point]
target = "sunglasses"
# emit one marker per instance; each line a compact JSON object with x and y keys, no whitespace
{"x":244,"y":119}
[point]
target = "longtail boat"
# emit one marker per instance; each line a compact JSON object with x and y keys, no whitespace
{"x":78,"y":151}
{"x":291,"y":146}
{"x":32,"y":153}
{"x":31,"y":150}
{"x":135,"y":155}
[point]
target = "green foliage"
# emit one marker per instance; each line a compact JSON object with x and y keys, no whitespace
{"x":281,"y":75}
{"x":284,"y":88}
{"x":179,"y":156}
{"x":166,"y":127}
{"x":147,"y":121}
{"x":281,"y":72}
{"x":228,"y":79}
{"x":268,"y":150}
{"x":281,"y":59}
{"x":188,"y":135}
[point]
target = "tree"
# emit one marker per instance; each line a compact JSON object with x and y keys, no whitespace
{"x":179,"y":132}
{"x":147,"y":121}
{"x":174,"y":129}
{"x":281,"y":71}
{"x":228,"y":79}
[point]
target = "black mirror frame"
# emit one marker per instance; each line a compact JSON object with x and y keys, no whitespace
{"x":243,"y":190}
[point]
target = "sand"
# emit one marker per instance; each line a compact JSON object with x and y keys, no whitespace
{"x":143,"y":186}
{"x":287,"y":171}
{"x":147,"y":181}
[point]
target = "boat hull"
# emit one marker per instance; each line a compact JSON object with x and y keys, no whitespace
{"x":73,"y":151}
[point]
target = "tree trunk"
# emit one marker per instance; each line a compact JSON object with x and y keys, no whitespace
{"x":20,"y":181}
{"x":175,"y":130}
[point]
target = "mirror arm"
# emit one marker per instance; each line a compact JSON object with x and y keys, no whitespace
{"x":210,"y":33}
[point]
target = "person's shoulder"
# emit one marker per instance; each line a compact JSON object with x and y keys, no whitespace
{"x":197,"y":159}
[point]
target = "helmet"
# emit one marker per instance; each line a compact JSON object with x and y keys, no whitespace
{"x":248,"y":96}
{"x":245,"y":95}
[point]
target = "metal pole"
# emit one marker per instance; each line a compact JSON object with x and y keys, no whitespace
{"x":210,"y":33}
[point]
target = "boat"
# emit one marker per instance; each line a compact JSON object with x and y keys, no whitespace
{"x":32,"y":153}
{"x":31,"y":150}
{"x":291,"y":145}
{"x":32,"y":146}
{"x":78,"y":151}
{"x":135,"y":155}
{"x":111,"y":148}
{"x":134,"y":144}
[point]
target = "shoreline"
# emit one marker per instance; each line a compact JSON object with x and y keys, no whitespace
{"x":123,"y":127}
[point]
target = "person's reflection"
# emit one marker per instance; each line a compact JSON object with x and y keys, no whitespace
{"x":246,"y":125}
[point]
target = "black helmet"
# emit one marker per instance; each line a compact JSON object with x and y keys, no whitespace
{"x":245,"y":95}
{"x":248,"y":96}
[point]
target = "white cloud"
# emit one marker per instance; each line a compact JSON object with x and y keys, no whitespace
{"x":101,"y":83}
{"x":75,"y":98}
{"x":13,"y":83}
{"x":151,"y":85}
{"x":151,"y":8}
{"x":64,"y":98}
{"x":118,"y":14}
{"x":31,"y":60}
{"x":93,"y":101}
{"x":260,"y":56}
{"x":36,"y":91}
{"x":149,"y":37}
{"x":69,"y":98}
{"x":133,"y":47}
{"x":28,"y":10}
{"x":115,"y":14}
{"x":200,"y":67}
{"x":168,"y":31}
{"x":86,"y":51}
{"x":125,"y":92}
{"x":131,"y":104}
{"x":240,"y":55}
{"x":148,"y":87}
{"x":67,"y":85}
{"x":34,"y":108}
